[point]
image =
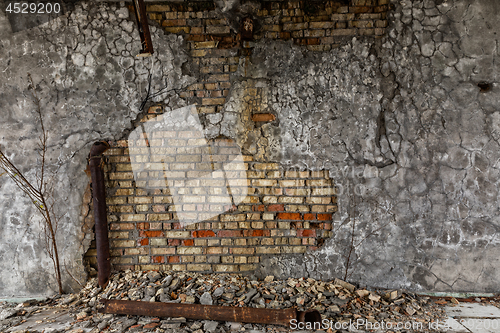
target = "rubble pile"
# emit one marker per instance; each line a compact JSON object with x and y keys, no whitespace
{"x":337,"y":301}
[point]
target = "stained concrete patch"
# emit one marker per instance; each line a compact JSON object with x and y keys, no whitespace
{"x":473,"y":311}
{"x":473,"y":318}
{"x":452,"y":326}
{"x":482,"y":325}
{"x":53,"y":320}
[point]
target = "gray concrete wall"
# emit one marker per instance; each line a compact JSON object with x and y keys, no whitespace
{"x":402,"y":124}
{"x":399,"y":122}
{"x":91,"y":85}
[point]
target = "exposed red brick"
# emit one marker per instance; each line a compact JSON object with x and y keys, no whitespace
{"x":203,"y":233}
{"x":324,"y":217}
{"x":188,"y":242}
{"x":309,"y":216}
{"x":151,"y":325}
{"x":257,"y":233}
{"x":313,"y":41}
{"x":174,"y":259}
{"x":230,"y":233}
{"x":285,"y":35}
{"x":174,"y":242}
{"x":133,"y":327}
{"x":306,"y":233}
{"x":258,"y":208}
{"x":176,"y":225}
{"x":316,"y":225}
{"x":158,"y":259}
{"x":256,"y":117}
{"x":155,"y":233}
{"x":143,"y":242}
{"x":289,"y":216}
{"x":276,"y":208}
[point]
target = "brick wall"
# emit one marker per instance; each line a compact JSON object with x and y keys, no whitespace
{"x":217,"y":49}
{"x":281,"y":211}
{"x":270,"y":210}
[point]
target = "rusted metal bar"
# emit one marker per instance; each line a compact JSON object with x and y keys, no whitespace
{"x":100,"y":217}
{"x":142,"y":24}
{"x":210,"y":312}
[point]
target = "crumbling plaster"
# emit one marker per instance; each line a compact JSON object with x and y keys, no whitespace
{"x":91,"y":85}
{"x":410,"y":140}
{"x":399,"y":121}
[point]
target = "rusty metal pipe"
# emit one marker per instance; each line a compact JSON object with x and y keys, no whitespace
{"x":210,"y":312}
{"x":142,"y":25}
{"x":100,"y":217}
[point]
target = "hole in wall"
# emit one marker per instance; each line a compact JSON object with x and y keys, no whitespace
{"x":484,"y":87}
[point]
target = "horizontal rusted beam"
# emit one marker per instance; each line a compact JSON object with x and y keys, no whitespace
{"x":210,"y":312}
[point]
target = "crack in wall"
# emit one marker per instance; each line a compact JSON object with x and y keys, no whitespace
{"x":88,"y":77}
{"x":424,"y":113}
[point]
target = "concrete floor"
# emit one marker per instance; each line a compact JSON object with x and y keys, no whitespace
{"x":51,"y":320}
{"x":463,"y":318}
{"x":473,"y":318}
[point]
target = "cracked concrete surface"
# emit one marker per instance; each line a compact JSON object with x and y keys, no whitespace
{"x":91,"y":85}
{"x":411,"y":141}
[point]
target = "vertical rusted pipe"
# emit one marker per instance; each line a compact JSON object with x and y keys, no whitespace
{"x":142,"y":24}
{"x":100,"y":217}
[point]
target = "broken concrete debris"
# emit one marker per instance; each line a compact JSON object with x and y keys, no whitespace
{"x":331,"y":299}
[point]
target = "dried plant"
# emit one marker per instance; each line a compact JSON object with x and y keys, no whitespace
{"x":39,"y":193}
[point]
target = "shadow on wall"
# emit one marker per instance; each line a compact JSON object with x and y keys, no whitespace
{"x":204,"y":179}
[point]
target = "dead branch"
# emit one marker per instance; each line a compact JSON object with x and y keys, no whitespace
{"x":351,"y":247}
{"x":71,"y":275}
{"x":38,"y":195}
